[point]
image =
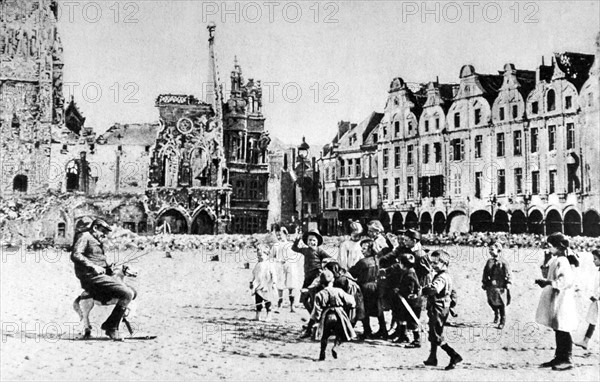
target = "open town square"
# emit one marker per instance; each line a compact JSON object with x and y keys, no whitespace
{"x":312,"y":190}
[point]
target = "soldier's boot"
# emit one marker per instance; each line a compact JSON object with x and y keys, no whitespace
{"x":112,"y":323}
{"x":454,"y":357}
{"x":432,"y":360}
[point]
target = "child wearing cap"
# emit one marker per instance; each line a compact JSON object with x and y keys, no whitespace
{"x":263,"y":283}
{"x":313,"y":262}
{"x":557,"y":308}
{"x":495,"y":282}
{"x":592,"y":315}
{"x":439,"y":294}
{"x":287,"y":268}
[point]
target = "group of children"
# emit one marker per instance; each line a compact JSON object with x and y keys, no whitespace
{"x":379,"y":272}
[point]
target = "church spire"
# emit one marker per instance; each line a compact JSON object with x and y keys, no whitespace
{"x":213,"y":95}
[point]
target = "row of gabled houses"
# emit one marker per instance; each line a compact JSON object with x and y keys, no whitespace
{"x":514,"y":151}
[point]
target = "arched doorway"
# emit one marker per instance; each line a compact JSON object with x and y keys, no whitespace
{"x":175,"y":221}
{"x":481,"y":221}
{"x":397,"y":222}
{"x":20,"y":183}
{"x":572,"y":223}
{"x":501,"y":221}
{"x":518,"y":222}
{"x":439,"y":222}
{"x":553,"y":222}
{"x":591,"y":224}
{"x":203,"y":224}
{"x":412,"y":221}
{"x":384,"y":218}
{"x":458,"y":222}
{"x":535,"y":222}
{"x":425,"y":223}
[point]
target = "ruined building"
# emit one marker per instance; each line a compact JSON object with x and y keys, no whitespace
{"x":203,"y":168}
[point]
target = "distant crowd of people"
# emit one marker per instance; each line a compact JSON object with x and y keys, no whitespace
{"x":376,"y":272}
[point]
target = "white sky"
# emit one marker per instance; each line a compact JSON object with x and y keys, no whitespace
{"x":164,"y":49}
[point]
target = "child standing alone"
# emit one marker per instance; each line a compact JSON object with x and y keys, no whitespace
{"x":495,"y":282}
{"x":263,"y":283}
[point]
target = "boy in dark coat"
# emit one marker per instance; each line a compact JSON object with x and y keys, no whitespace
{"x":409,"y":290}
{"x":366,"y":272}
{"x":439,"y":294}
{"x":495,"y":281}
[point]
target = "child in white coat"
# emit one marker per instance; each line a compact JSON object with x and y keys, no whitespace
{"x":263,"y":283}
{"x":592,"y":316}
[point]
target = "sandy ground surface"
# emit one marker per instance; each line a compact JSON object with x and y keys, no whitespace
{"x":202,"y":312}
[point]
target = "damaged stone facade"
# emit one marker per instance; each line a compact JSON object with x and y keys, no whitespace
{"x":246,"y":143}
{"x":185,"y":174}
{"x":31,"y":98}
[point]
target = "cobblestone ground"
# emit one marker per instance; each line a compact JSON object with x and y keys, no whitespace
{"x":202,"y":313}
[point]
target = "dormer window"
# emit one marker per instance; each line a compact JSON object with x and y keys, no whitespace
{"x":568,"y":102}
{"x":477,"y":116}
{"x":427,"y":126}
{"x":534,"y":107}
{"x":550,"y":100}
{"x":501,"y":114}
{"x":457,"y":120}
{"x":515,"y":111}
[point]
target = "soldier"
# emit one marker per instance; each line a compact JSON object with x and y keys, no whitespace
{"x":91,"y":269}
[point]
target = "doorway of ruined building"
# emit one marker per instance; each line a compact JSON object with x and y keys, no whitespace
{"x":203,"y":224}
{"x":173,"y":222}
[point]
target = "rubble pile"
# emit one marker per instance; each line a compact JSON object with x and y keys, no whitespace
{"x":478,"y":239}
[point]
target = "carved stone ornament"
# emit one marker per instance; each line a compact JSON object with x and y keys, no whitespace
{"x":185,"y":126}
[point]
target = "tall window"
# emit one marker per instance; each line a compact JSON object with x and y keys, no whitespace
{"x":552,"y":181}
{"x":357,"y":167}
{"x":396,"y":128}
{"x":326,"y":201}
{"x":572,"y":179}
{"x":437,"y":123}
{"x":534,"y":140}
{"x":477,"y":116}
{"x":342,"y":168}
{"x":61,"y":229}
{"x":357,"y":199}
{"x":571,"y":136}
{"x":350,"y":196}
{"x":456,"y":183}
{"x":500,"y":144}
{"x":535,"y":182}
{"x":457,"y":149}
{"x":515,"y":111}
{"x":397,"y":156}
{"x":409,"y":155}
{"x":385,"y":190}
{"x":456,"y":120}
{"x":568,"y":102}
{"x":396,"y":188}
{"x":333,"y":199}
{"x":410,"y":127}
{"x":518,"y":180}
{"x":427,"y":126}
{"x":501,"y":182}
{"x":551,"y":138}
{"x":438,"y":152}
{"x":349,"y":168}
{"x":550,"y":100}
{"x":501,"y":113}
{"x":410,"y":187}
{"x":517,"y":142}
{"x":478,"y":144}
{"x":534,"y":107}
{"x":426,"y":153}
{"x":478,"y":183}
{"x":342,"y":199}
{"x":386,"y":159}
